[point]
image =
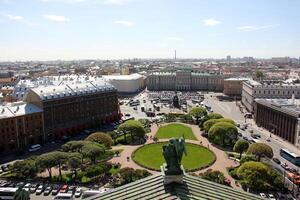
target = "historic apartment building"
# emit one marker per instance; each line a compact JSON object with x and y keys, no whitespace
{"x":253,"y":89}
{"x":21,"y":125}
{"x":70,"y":108}
{"x":279,"y":116}
{"x":184,"y":81}
{"x":233,"y":86}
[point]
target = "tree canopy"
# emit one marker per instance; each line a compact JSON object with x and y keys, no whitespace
{"x":198,"y":113}
{"x":260,"y":150}
{"x":92,"y":151}
{"x":209,"y":123}
{"x":25,"y":168}
{"x":259,"y":176}
{"x":208,"y":117}
{"x":223,"y":133}
{"x":101,"y":138}
{"x":215,"y":176}
{"x":241,"y":146}
{"x":134,"y":128}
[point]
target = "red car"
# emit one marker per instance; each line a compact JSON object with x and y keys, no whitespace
{"x":64,"y":189}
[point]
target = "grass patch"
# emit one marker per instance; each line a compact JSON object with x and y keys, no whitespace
{"x":175,"y":130}
{"x":197,"y":156}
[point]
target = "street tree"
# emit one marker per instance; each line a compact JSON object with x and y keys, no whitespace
{"x":25,"y":168}
{"x":101,"y":138}
{"x":215,"y":176}
{"x":46,"y":161}
{"x":223,"y":133}
{"x":241,"y":146}
{"x":208,"y":117}
{"x":22,"y":195}
{"x":73,"y":146}
{"x":134,"y":128}
{"x":209,"y":123}
{"x":260,"y":150}
{"x":253,"y":175}
{"x":198,"y":113}
{"x":91,"y":151}
{"x":74,"y":162}
{"x":60,"y":158}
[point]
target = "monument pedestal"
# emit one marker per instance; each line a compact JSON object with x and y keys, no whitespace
{"x":178,"y":178}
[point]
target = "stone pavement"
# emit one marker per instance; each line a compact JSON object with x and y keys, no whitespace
{"x":221,"y":163}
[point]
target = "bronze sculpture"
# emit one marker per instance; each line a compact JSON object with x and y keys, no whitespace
{"x":173,"y":153}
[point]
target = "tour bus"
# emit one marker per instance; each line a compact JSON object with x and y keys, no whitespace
{"x":7,"y":193}
{"x":90,"y":193}
{"x":64,"y":196}
{"x":35,"y":147}
{"x":290,"y":156}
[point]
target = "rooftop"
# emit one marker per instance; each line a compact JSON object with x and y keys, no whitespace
{"x":17,"y":109}
{"x":153,"y":188}
{"x":123,"y":77}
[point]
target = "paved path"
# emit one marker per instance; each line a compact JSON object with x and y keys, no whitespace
{"x":222,"y":162}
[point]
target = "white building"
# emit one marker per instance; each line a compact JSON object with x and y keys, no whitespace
{"x":253,"y":89}
{"x":132,"y":83}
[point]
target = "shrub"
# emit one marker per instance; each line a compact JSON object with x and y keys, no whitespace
{"x":101,"y":138}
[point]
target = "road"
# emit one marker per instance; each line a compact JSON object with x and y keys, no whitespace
{"x":230,"y":110}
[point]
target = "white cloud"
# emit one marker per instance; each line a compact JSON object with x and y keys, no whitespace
{"x":57,"y":18}
{"x":175,"y":39}
{"x":256,"y":28}
{"x":125,"y":23}
{"x":13,"y":17}
{"x":211,"y":22}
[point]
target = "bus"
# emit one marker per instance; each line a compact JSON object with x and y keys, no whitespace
{"x":7,"y":193}
{"x":290,"y":156}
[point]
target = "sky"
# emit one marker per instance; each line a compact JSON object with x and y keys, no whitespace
{"x":121,"y":29}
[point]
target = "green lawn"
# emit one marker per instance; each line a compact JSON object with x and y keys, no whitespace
{"x":175,"y":130}
{"x":151,"y":156}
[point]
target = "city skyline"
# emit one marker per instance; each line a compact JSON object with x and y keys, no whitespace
{"x":119,"y":29}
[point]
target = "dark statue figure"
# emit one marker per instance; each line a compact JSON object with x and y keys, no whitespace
{"x":176,"y":101}
{"x":173,"y":153}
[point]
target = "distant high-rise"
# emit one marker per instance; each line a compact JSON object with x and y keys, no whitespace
{"x":175,"y":55}
{"x":228,"y":58}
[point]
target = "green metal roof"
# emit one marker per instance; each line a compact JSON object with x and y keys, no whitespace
{"x":153,"y":188}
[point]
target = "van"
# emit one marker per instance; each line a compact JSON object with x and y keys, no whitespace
{"x":63,"y":196}
{"x":35,"y":147}
{"x":90,"y":193}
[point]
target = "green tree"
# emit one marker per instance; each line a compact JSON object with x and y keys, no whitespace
{"x":260,"y":150}
{"x":22,"y":195}
{"x":215,"y":176}
{"x":208,"y":117}
{"x":223,"y":133}
{"x":259,"y":74}
{"x":145,"y":122}
{"x":209,"y":123}
{"x":74,"y":162}
{"x":73,"y":146}
{"x":134,"y":128}
{"x":92,"y":151}
{"x":60,"y":158}
{"x":25,"y":168}
{"x":128,"y":175}
{"x":198,"y":113}
{"x":46,"y":161}
{"x":241,"y":146}
{"x":101,"y":138}
{"x":254,"y":175}
{"x":114,"y":136}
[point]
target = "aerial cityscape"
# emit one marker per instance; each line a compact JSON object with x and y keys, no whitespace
{"x":149,"y":100}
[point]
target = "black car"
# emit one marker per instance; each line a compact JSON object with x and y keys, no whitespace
{"x":48,"y":190}
{"x":72,"y":189}
{"x":55,"y":190}
{"x":276,"y":160}
{"x":20,"y":185}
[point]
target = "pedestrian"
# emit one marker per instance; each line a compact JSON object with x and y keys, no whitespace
{"x":208,"y":146}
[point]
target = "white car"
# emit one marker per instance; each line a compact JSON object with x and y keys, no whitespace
{"x":263,"y":195}
{"x":78,"y":192}
{"x":271,"y":197}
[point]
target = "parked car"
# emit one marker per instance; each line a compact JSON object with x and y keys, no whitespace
{"x":27,"y":187}
{"x":20,"y":185}
{"x":40,"y":190}
{"x":284,"y":166}
{"x":35,"y":147}
{"x":55,"y":190}
{"x":72,"y":189}
{"x":271,"y":197}
{"x":33,"y":188}
{"x":204,"y":134}
{"x":276,"y":160}
{"x":78,"y":192}
{"x":47,"y":190}
{"x":263,"y":195}
{"x":64,"y":189}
